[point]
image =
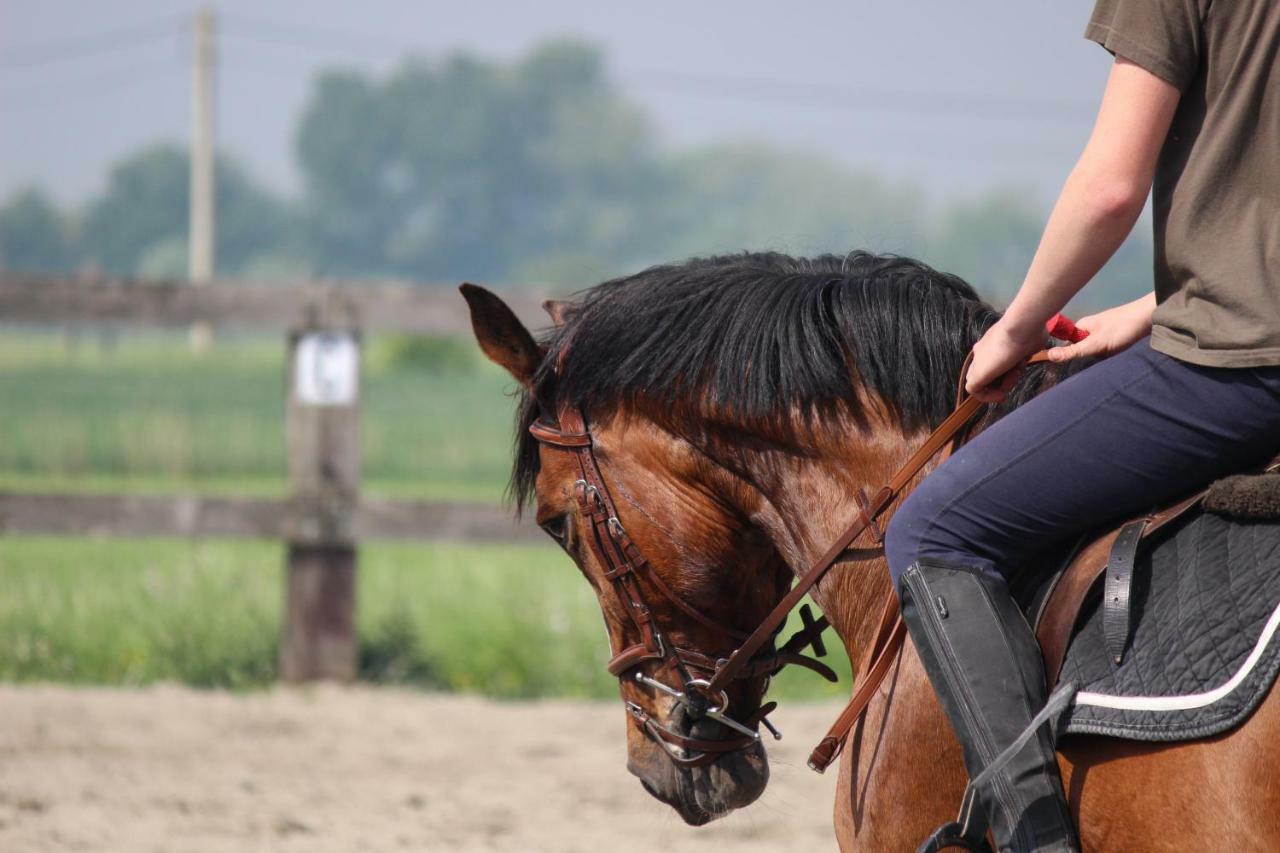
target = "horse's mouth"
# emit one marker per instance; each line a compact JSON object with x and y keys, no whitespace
{"x":685,"y":806}
{"x":703,"y":794}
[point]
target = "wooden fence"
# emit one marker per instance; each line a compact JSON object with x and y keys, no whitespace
{"x":325,"y":518}
{"x":412,"y":309}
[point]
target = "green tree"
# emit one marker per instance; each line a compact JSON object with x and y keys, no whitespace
{"x":466,"y":168}
{"x":34,"y":235}
{"x":142,"y":216}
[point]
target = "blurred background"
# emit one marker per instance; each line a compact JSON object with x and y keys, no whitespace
{"x":537,"y":148}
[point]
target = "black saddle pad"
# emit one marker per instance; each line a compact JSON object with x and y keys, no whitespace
{"x":1204,"y":648}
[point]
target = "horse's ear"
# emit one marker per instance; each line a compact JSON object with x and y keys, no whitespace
{"x":557,"y":309}
{"x":502,"y":336}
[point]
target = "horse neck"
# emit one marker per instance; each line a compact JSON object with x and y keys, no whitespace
{"x":806,"y":502}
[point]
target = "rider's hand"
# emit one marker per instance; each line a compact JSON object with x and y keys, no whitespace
{"x":1110,"y":331}
{"x":997,"y":359}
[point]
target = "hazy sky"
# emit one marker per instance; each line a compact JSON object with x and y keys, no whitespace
{"x":954,"y":96}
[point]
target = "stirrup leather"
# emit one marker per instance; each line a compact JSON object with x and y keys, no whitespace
{"x":951,"y":836}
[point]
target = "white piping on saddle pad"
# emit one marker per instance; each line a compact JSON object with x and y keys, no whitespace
{"x":1194,"y":700}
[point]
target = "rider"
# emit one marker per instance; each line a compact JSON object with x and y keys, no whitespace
{"x":1188,"y":389}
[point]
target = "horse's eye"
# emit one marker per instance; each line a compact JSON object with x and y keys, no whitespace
{"x":556,"y":527}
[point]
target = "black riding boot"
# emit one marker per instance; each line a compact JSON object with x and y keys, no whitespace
{"x":987,"y":670}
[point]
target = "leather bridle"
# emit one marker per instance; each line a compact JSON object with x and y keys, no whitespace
{"x":624,"y":565}
{"x":753,"y":655}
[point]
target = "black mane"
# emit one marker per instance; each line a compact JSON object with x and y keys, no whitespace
{"x":751,"y":336}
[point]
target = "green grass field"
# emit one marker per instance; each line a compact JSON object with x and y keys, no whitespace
{"x":148,"y":416}
{"x":508,"y":621}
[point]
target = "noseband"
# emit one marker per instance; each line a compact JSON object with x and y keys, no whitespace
{"x":624,"y":566}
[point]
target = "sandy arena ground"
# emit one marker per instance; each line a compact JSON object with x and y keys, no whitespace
{"x":338,"y":769}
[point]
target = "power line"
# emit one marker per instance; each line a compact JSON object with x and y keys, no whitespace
{"x":273,"y":33}
{"x":950,"y":147}
{"x":883,"y":100}
{"x":279,"y":33}
{"x":105,"y":84}
{"x":985,"y":105}
{"x":85,"y":47}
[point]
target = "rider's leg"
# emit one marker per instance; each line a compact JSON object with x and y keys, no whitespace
{"x":1131,"y":432}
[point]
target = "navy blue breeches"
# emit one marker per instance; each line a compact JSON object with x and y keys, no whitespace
{"x":1133,"y":431}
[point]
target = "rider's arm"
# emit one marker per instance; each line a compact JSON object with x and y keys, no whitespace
{"x":1099,"y":204}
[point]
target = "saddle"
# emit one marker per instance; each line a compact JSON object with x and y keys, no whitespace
{"x":1167,"y":621}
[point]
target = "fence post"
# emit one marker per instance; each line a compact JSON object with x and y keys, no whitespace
{"x":323,"y":434}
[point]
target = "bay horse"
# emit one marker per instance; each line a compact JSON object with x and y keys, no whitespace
{"x":734,"y":407}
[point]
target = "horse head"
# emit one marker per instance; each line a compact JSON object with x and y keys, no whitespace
{"x":686,"y":553}
{"x":692,"y":436}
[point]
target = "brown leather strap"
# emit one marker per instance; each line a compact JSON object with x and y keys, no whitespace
{"x":881,"y":654}
{"x":614,"y":550}
{"x":963,"y":378}
{"x":548,"y":434}
{"x":629,"y":658}
{"x":769,"y":664}
{"x":1118,"y":588}
{"x":865,"y":516}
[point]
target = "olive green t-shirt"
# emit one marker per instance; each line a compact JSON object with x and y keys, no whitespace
{"x":1216,"y":195}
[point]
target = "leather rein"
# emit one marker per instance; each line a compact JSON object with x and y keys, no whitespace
{"x":704,"y":679}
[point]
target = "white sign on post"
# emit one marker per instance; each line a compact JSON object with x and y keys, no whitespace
{"x":327,"y":369}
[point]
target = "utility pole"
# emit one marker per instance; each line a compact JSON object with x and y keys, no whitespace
{"x":200,"y":248}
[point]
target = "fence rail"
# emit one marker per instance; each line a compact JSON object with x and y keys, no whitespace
{"x":407,"y":308}
{"x":199,"y":516}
